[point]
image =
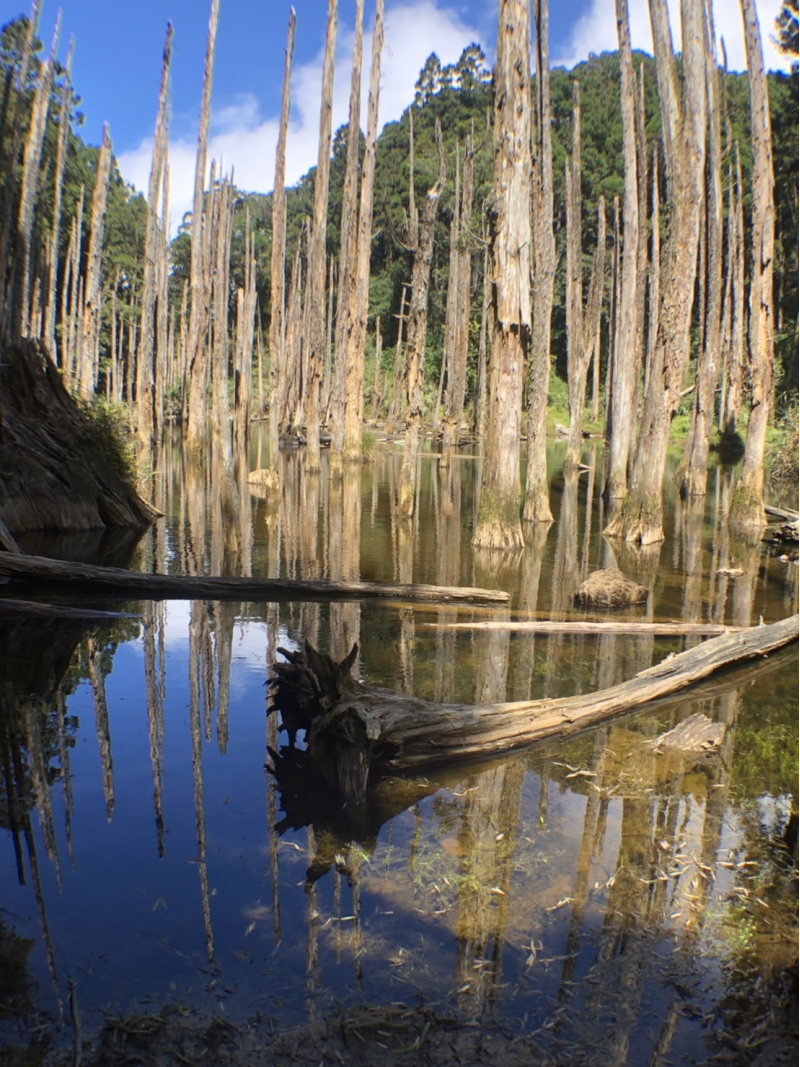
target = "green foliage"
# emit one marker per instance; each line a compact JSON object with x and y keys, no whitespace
{"x":782,"y":447}
{"x":105,"y":431}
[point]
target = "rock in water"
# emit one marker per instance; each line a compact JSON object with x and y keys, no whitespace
{"x":610,"y":589}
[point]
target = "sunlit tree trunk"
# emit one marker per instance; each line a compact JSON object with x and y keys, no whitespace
{"x":576,"y":355}
{"x":49,"y":331}
{"x":683,"y":122}
{"x":537,"y":490}
{"x":498,"y":524}
{"x":357,"y":318}
{"x":747,"y":511}
{"x":315,"y":301}
{"x":145,"y":379}
{"x":417,"y":333}
{"x":692,"y":476}
{"x":198,"y":354}
{"x":622,"y":399}
{"x":277,"y":326}
{"x":349,"y":238}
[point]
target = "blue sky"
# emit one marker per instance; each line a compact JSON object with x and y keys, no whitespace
{"x":118,"y":58}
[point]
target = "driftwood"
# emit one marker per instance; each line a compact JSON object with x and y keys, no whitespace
{"x":697,"y":735}
{"x":630,"y":626}
{"x":134,"y":584}
{"x":355,"y":731}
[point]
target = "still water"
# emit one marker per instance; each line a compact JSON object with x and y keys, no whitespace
{"x":628,"y":905}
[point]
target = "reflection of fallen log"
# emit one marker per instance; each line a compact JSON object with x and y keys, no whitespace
{"x":787,"y":514}
{"x":133,"y":584}
{"x":354,"y":731}
{"x":628,"y":626}
{"x":30,"y":609}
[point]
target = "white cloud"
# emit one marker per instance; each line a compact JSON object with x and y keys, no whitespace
{"x":596,"y":31}
{"x":246,"y":142}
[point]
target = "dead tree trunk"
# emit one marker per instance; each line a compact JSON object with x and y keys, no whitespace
{"x":348,"y":280}
{"x":417,"y":332}
{"x":692,"y":476}
{"x":357,"y":317}
{"x":457,"y":364}
{"x":277,"y":325}
{"x":197,"y":352}
{"x":94,"y":270}
{"x":594,"y":304}
{"x":498,"y":525}
{"x":621,"y":402}
{"x":316,"y":252}
{"x":49,"y":331}
{"x":576,"y":353}
{"x":145,"y":377}
{"x":537,"y":490}
{"x":746,"y":506}
{"x":683,"y":120}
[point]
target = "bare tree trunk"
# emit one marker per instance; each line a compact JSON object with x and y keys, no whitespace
{"x":315,"y":301}
{"x":457,"y":366}
{"x":498,"y":525}
{"x":197,"y":351}
{"x":683,"y":129}
{"x":357,"y":316}
{"x":49,"y":331}
{"x":479,"y":404}
{"x":145,"y":379}
{"x":747,"y":512}
{"x":693,"y":474}
{"x":349,"y":240}
{"x":621,"y":402}
{"x":394,"y":397}
{"x":277,"y":327}
{"x":537,"y":490}
{"x":417,"y":332}
{"x":220,"y":351}
{"x":654,"y":279}
{"x":594,"y":304}
{"x":94,"y":265}
{"x":576,"y":353}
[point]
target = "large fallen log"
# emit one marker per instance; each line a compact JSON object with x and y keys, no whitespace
{"x":355,"y":731}
{"x":107,"y":581}
{"x":626,"y":626}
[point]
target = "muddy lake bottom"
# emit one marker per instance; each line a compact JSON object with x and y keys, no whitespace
{"x":590,"y":901}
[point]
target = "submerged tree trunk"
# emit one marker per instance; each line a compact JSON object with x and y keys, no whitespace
{"x":621,"y":402}
{"x":277,"y":325}
{"x":315,"y":305}
{"x":354,"y":375}
{"x":498,"y":525}
{"x":683,"y":129}
{"x":349,"y":238}
{"x":417,"y":332}
{"x":746,"y":506}
{"x":537,"y":490}
{"x":692,"y":476}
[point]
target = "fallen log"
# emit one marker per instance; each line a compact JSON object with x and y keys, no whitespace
{"x":137,"y":585}
{"x":355,"y":731}
{"x":32,"y":609}
{"x":630,"y":626}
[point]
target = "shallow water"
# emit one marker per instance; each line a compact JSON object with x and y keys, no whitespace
{"x":616,"y":902}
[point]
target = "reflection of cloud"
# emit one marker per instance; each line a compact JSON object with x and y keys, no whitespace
{"x":246,"y":142}
{"x":596,"y":31}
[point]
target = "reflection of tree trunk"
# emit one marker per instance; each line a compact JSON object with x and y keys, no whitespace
{"x":520,"y":677}
{"x":448,"y":568}
{"x":404,"y":532}
{"x":152,"y":622}
{"x":98,"y":684}
{"x":34,"y":716}
{"x":195,"y":726}
{"x":66,"y":775}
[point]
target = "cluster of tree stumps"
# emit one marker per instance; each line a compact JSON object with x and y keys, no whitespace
{"x":355,"y":733}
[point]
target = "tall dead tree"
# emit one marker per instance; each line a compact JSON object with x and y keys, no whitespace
{"x":498,"y":525}
{"x":621,"y":403}
{"x":733,"y":316}
{"x":692,"y":475}
{"x":49,"y":329}
{"x":537,"y":489}
{"x":421,"y":244}
{"x":359,"y":287}
{"x":277,"y":325}
{"x":683,"y":124}
{"x":153,"y":241}
{"x":315,"y":301}
{"x":349,"y":241}
{"x":461,"y":266}
{"x":199,"y":280}
{"x":747,"y":511}
{"x":92,"y":294}
{"x":576,"y":355}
